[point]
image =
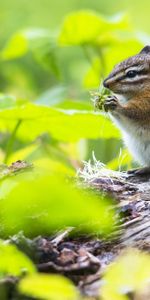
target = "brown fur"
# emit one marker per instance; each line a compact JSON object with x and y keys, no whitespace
{"x":137,"y":109}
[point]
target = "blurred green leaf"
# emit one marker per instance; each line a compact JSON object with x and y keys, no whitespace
{"x":13,"y":262}
{"x":80,"y":28}
{"x":53,"y":96}
{"x":40,"y":204}
{"x":48,"y":287}
{"x":47,"y":57}
{"x":23,"y":41}
{"x":65,"y":125}
{"x":52,"y":157}
{"x":17,"y":46}
{"x":92,"y":77}
{"x":75,"y":105}
{"x":129,"y":273}
{"x":119,"y":21}
{"x":58,"y":97}
{"x":127,"y":46}
{"x":85,"y":26}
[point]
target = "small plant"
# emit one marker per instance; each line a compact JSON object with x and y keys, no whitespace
{"x":98,"y":98}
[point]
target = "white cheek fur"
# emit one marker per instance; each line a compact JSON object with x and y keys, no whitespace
{"x":136,"y":138}
{"x":122,"y":99}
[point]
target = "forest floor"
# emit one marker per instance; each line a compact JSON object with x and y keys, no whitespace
{"x":84,"y":259}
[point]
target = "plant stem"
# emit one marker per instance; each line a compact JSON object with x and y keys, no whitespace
{"x":89,"y":59}
{"x":11,"y":141}
{"x":102,"y":60}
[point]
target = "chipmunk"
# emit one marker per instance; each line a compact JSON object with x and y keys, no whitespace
{"x":130,"y":105}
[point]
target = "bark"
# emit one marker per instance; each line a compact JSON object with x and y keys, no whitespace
{"x":131,"y":196}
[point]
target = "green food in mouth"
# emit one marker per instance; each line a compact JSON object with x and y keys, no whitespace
{"x":99,"y":97}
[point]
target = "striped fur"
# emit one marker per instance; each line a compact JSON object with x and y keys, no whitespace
{"x":132,"y":113}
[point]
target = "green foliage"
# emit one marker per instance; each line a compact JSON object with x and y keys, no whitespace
{"x":13,"y":262}
{"x":73,"y":30}
{"x":63,"y":125}
{"x":48,"y":131}
{"x":130,"y":273}
{"x":88,"y":27}
{"x":16,"y":47}
{"x":24,"y":41}
{"x":49,"y":120}
{"x":98,"y":42}
{"x":48,"y":287}
{"x":42,"y":209}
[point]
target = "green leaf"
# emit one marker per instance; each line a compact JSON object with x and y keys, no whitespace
{"x":125,"y":47}
{"x":85,"y":26}
{"x":40,"y":204}
{"x":81,"y":27}
{"x":92,"y":77}
{"x":48,"y":287}
{"x":23,"y":41}
{"x":75,"y":105}
{"x":129,"y":273}
{"x":45,"y":154}
{"x":58,"y":97}
{"x":13,"y":262}
{"x":53,"y":96}
{"x":16,"y":47}
{"x":119,"y":21}
{"x":64,"y":125}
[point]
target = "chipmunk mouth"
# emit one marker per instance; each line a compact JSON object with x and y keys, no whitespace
{"x":109,"y":84}
{"x":106,"y":83}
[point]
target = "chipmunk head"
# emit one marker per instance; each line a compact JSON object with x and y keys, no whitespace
{"x":131,"y":76}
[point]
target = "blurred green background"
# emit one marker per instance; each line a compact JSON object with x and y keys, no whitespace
{"x":17,"y":14}
{"x":37,"y":68}
{"x":52,"y":55}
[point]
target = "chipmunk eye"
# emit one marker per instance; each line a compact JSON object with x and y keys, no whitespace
{"x":131,"y":74}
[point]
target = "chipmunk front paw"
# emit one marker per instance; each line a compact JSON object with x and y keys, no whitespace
{"x":111,"y":103}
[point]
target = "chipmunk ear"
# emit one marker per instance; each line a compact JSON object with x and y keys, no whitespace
{"x":145,"y":50}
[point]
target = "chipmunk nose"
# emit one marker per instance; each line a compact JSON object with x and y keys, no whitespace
{"x":106,"y":84}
